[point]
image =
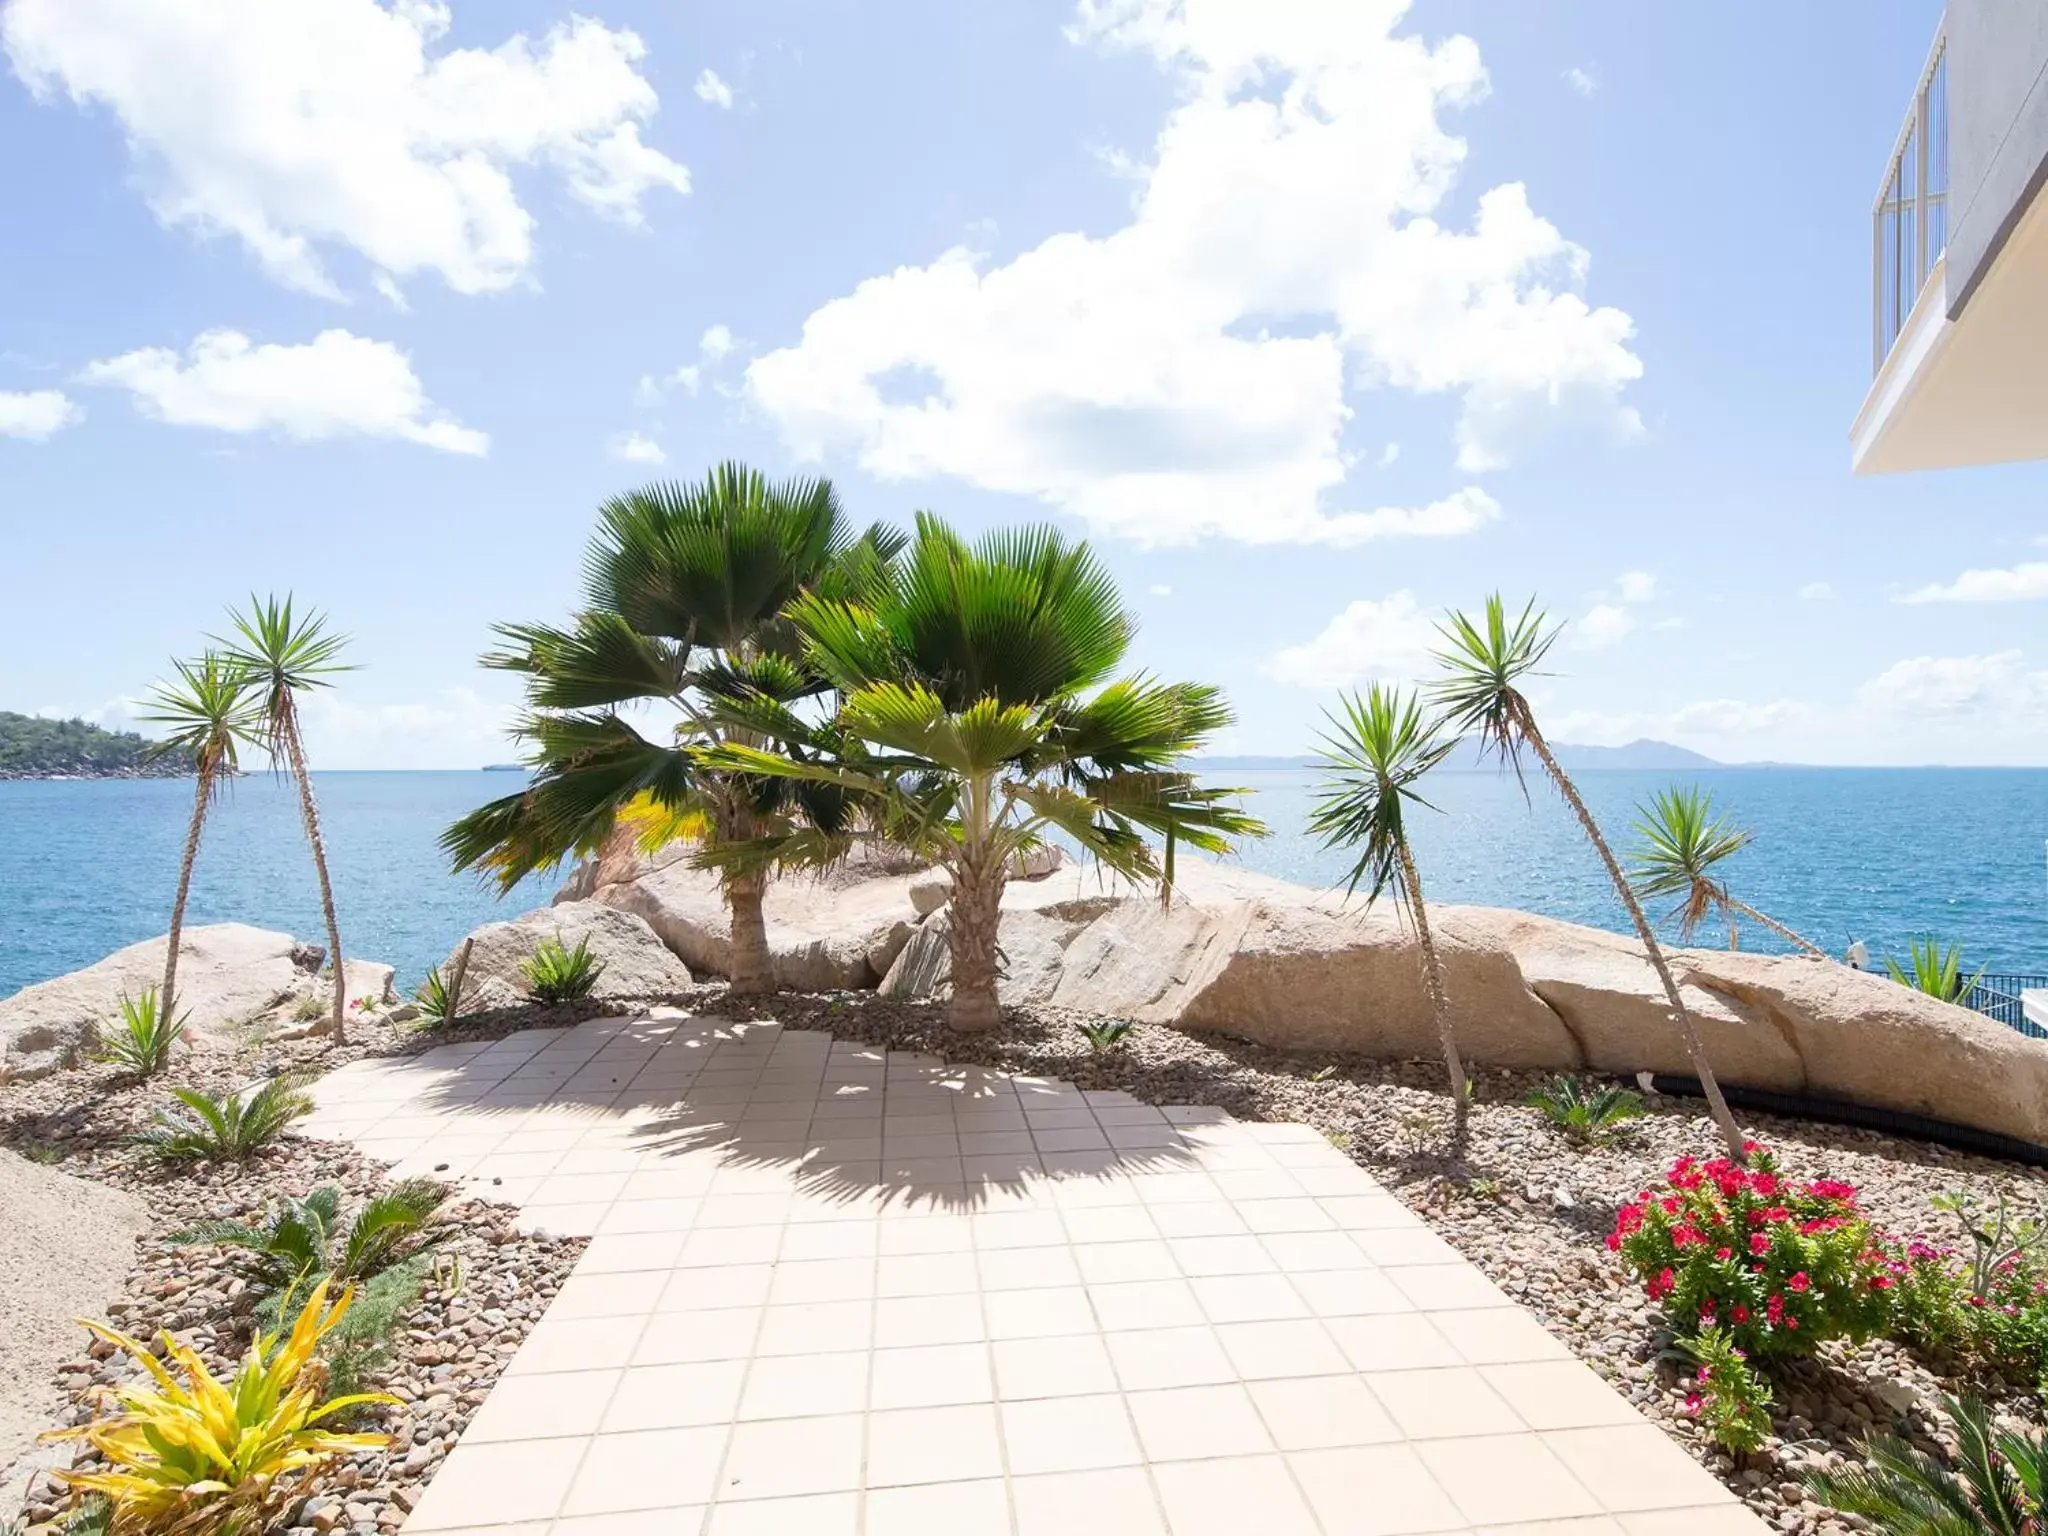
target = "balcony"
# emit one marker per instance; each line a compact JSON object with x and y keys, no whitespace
{"x":1909,"y":225}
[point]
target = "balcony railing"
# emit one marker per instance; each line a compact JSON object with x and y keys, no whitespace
{"x":2001,"y":998}
{"x":1909,"y":225}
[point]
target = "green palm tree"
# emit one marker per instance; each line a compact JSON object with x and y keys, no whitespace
{"x":1484,"y":665}
{"x":1682,"y":841}
{"x":209,"y":713}
{"x":979,"y":716}
{"x":1374,"y":755}
{"x":286,"y":654}
{"x":686,"y":589}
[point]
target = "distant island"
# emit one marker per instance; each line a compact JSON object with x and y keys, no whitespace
{"x":504,"y":768}
{"x":1641,"y":756}
{"x":32,"y":747}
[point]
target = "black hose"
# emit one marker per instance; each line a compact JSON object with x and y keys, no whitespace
{"x":1893,"y":1122}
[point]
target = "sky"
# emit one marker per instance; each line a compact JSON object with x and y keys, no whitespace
{"x":1315,"y":318}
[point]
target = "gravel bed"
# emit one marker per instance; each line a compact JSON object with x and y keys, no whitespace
{"x":1531,"y":1209}
{"x":491,"y":1284}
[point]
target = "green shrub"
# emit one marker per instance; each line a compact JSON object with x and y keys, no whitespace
{"x":1107,"y":1035}
{"x":1732,"y":1402}
{"x":307,"y":1009}
{"x":1934,"y":969}
{"x":555,"y":974}
{"x":147,"y":1033}
{"x":225,"y":1127}
{"x":434,"y":1000}
{"x":1986,"y":1308}
{"x":1995,"y":1487}
{"x":1586,"y":1113}
{"x":299,"y":1242}
{"x":1781,"y":1266}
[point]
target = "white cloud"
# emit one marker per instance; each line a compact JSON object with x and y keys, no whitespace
{"x":329,"y":123}
{"x":1581,"y":80}
{"x":1703,"y":720}
{"x":1637,"y":586}
{"x":1191,"y":373}
{"x":455,"y":728}
{"x":1958,"y":685}
{"x":711,"y":89}
{"x":686,"y":377}
{"x":37,"y":414}
{"x":1603,"y":625}
{"x":336,"y":385}
{"x":1816,"y":592}
{"x":1389,"y":638}
{"x":2022,"y":582}
{"x":716,"y":344}
{"x":1389,"y":454}
{"x":637,"y":448}
{"x":1160,"y":589}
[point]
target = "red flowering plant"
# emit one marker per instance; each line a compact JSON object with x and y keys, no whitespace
{"x":1779,"y":1265}
{"x":1986,"y":1309}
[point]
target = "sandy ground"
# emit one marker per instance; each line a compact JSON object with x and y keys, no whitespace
{"x":66,"y":1246}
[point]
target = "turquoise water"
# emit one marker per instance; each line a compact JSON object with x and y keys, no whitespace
{"x":1877,"y":854}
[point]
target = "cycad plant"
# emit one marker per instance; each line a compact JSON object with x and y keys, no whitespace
{"x":1996,"y":1486}
{"x":225,"y":1127}
{"x":208,"y":713}
{"x":1587,"y":1112}
{"x":1484,"y":665}
{"x":1934,"y":968}
{"x":286,"y":654}
{"x":980,"y":715}
{"x":1374,"y":754}
{"x":302,"y":1241}
{"x":1683,"y":842}
{"x":684,"y":598}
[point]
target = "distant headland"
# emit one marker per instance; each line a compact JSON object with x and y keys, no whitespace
{"x":32,"y":747}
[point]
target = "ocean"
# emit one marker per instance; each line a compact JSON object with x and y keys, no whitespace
{"x":1840,"y":853}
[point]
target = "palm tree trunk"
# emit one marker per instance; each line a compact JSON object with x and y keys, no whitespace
{"x":1717,"y":1106}
{"x":973,"y":914}
{"x":1778,"y":928}
{"x":310,"y":814}
{"x":751,"y":969}
{"x":1439,"y":1003}
{"x":167,"y":996}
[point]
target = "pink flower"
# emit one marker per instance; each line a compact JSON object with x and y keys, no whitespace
{"x":1724,"y":1253}
{"x":1693,"y":1402}
{"x":1741,"y":1313}
{"x":1775,"y":1309}
{"x":1799,"y":1282}
{"x":1759,"y":1244}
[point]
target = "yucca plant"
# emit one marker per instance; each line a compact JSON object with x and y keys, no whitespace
{"x":225,"y":1127}
{"x":1483,"y":665}
{"x":282,"y":655}
{"x":557,"y":974}
{"x":1683,"y":841}
{"x":208,"y":715}
{"x":146,"y":1036}
{"x":202,"y":1457}
{"x":1373,"y":756}
{"x":434,"y":1000}
{"x":1936,"y":969}
{"x":1106,"y":1035}
{"x":302,"y":1240}
{"x":1996,"y":1486}
{"x":1591,"y":1113}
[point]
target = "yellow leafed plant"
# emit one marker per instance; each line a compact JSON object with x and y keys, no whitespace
{"x":206,"y":1458}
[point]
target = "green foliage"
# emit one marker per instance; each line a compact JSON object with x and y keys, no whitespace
{"x":143,"y":1042}
{"x":434,"y":1000}
{"x":1682,"y":841}
{"x":1106,"y":1035}
{"x":1995,"y":1486}
{"x":1986,"y":1308}
{"x":209,"y":713}
{"x":309,"y":1008}
{"x":32,"y":747}
{"x":361,"y":1344}
{"x":302,"y":1241}
{"x":1482,"y":667}
{"x":1782,"y":1265}
{"x":1732,"y":1401}
{"x":1934,"y":969}
{"x":557,"y":974}
{"x":225,"y":1127}
{"x":1586,"y":1112}
{"x":281,"y":654}
{"x":1372,"y":757}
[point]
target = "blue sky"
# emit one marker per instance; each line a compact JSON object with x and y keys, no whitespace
{"x":1316,"y":318}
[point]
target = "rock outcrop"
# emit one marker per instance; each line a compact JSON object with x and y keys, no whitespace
{"x":636,"y":962}
{"x":228,"y":974}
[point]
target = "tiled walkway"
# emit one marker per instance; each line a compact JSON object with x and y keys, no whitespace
{"x":836,"y":1293}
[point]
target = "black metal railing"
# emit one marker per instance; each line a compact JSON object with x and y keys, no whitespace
{"x":1998,"y":997}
